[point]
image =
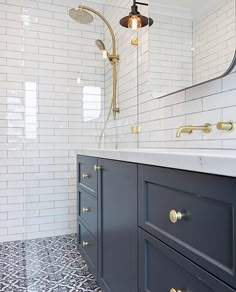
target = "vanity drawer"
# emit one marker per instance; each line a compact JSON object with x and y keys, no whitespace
{"x":87,"y":246}
{"x":87,"y":175}
{"x":206,"y":232}
{"x":87,"y":210}
{"x":162,"y":269}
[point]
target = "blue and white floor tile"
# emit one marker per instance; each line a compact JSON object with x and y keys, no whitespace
{"x":44,"y":265}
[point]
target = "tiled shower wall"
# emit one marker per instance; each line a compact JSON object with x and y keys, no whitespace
{"x":213,"y":41}
{"x":118,"y":132}
{"x":51,"y":92}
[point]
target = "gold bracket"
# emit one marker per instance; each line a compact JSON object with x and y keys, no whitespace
{"x":134,"y":41}
{"x":113,"y":58}
{"x":136,"y":129}
{"x":116,"y":110}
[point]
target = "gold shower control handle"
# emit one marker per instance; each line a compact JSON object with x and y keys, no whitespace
{"x":175,"y":216}
{"x":225,"y":126}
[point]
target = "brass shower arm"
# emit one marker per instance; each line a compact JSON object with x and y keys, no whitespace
{"x":113,"y":58}
{"x":108,"y":25}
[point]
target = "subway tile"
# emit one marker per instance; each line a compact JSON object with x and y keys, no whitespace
{"x":187,"y":108}
{"x":220,"y":100}
{"x":206,"y":89}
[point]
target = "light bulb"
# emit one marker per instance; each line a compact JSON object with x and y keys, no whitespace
{"x":104,"y":54}
{"x":134,"y":22}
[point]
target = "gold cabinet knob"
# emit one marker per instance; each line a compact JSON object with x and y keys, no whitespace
{"x":174,"y":290}
{"x":225,"y":126}
{"x":85,"y":210}
{"x":97,"y":168}
{"x":85,"y":243}
{"x":174,"y":217}
{"x":85,"y":175}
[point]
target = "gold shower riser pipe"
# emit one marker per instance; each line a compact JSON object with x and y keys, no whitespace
{"x":114,"y":58}
{"x":107,"y":23}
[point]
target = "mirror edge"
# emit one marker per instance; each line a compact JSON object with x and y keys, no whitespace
{"x":227,"y":72}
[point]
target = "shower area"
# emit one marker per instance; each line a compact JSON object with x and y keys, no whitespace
{"x":65,"y":84}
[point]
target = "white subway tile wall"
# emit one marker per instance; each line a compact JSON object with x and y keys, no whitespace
{"x":170,"y":50}
{"x":51,"y":104}
{"x":118,"y":132}
{"x":207,"y":103}
{"x":160,"y":118}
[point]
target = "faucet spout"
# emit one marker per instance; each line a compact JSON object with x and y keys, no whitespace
{"x":184,"y":129}
{"x":206,"y":128}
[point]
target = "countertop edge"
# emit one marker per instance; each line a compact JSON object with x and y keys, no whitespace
{"x":196,"y":162}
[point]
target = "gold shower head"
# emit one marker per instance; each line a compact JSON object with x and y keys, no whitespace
{"x":80,"y":15}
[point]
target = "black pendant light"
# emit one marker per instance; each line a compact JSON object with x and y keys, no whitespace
{"x":135,"y":20}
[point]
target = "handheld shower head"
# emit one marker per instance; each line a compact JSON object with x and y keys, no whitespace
{"x":80,"y":15}
{"x":100,"y":44}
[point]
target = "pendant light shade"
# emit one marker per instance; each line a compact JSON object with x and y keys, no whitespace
{"x":135,"y":20}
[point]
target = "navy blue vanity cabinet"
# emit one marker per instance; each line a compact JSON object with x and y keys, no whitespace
{"x":194,"y":214}
{"x":117,"y":232}
{"x":153,"y":229}
{"x":163,"y":269}
{"x":87,"y":210}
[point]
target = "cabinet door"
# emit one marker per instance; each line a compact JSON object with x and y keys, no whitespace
{"x":87,"y":246}
{"x":86,"y":174}
{"x":87,"y":211}
{"x":163,"y":269}
{"x":117,"y":232}
{"x":205,"y":233}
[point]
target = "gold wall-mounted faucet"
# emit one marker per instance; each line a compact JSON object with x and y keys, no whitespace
{"x":207,"y":128}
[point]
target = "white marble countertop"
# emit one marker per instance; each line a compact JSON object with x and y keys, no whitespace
{"x":221,"y":162}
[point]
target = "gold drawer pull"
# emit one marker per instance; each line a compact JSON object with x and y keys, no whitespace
{"x":174,"y":217}
{"x":85,"y":210}
{"x":85,"y":175}
{"x":85,"y":243}
{"x":97,"y":168}
{"x":174,"y":290}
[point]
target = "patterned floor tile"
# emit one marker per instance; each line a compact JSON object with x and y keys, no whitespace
{"x":44,"y":265}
